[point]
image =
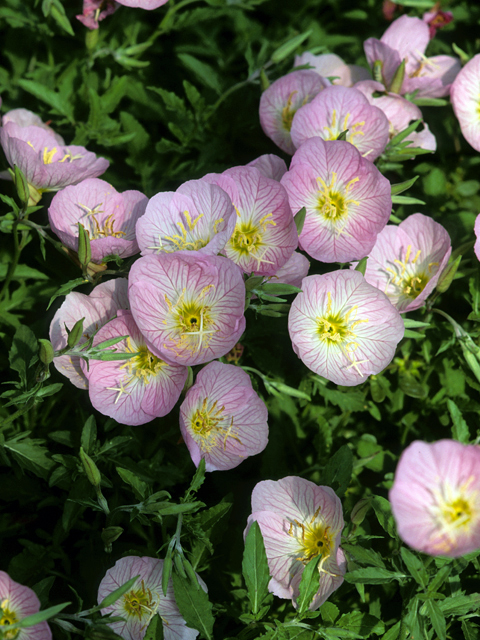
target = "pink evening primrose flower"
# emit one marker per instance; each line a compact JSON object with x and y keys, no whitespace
{"x":465,"y":101}
{"x":436,"y":497}
{"x":400,"y":113}
{"x":270,"y":165}
{"x":108,"y":217}
{"x":97,"y":308}
{"x":96,"y":10}
{"x":329,"y":65}
{"x":197,"y":217}
{"x":299,"y":521}
{"x":26,"y":118}
{"x":143,"y":4}
{"x":137,"y":390}
{"x":188,"y":305}
{"x":293,"y":271}
{"x":338,"y":109}
{"x":406,"y":39}
{"x":347,"y":200}
{"x":265,"y":235}
{"x":407,"y":261}
{"x":18,"y":602}
{"x":145,"y":599}
{"x":48,"y":165}
{"x":343,"y":328}
{"x":222,"y":419}
{"x":282,"y":99}
{"x":476,"y":230}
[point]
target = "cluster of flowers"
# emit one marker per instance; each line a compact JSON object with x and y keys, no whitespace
{"x":183,"y":303}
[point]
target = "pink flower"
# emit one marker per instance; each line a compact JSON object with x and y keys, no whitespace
{"x":343,"y":328}
{"x":347,"y":200}
{"x":26,"y":118}
{"x":464,"y":97}
{"x":329,"y":65}
{"x":293,"y":271}
{"x":339,"y":109}
{"x":188,"y":305}
{"x":406,"y":39}
{"x":96,"y":10}
{"x":197,"y":217}
{"x":47,"y":165}
{"x":270,"y":165}
{"x":137,"y":390}
{"x":222,"y":419}
{"x":265,"y":235}
{"x":476,"y":229}
{"x":299,"y":521}
{"x":143,"y":4}
{"x":282,"y":99}
{"x":400,"y":113}
{"x":18,"y":602}
{"x":437,"y":20}
{"x":97,"y":308}
{"x":108,"y":217}
{"x":145,"y":599}
{"x":436,"y":497}
{"x":408,"y":259}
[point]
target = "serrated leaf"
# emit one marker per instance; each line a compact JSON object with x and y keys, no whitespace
{"x":460,"y":430}
{"x":255,"y":567}
{"x":373,"y":575}
{"x":194,"y":605}
{"x":202,"y":71}
{"x":31,"y":456}
{"x":365,"y":556}
{"x":415,"y":567}
{"x":437,"y":619}
{"x":155,"y":629}
{"x":460,"y":605}
{"x":52,"y":98}
{"x":24,"y":348}
{"x":139,"y":487}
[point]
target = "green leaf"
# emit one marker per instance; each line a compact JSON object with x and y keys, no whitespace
{"x":89,"y":434}
{"x":373,"y":575}
{"x":383,"y":511}
{"x":255,"y":567}
{"x":365,"y":556}
{"x":437,"y":619}
{"x":31,"y":456}
{"x":362,"y":624}
{"x":459,"y":605}
{"x":460,"y":429}
{"x":52,"y":98}
{"x":194,"y":606}
{"x":66,"y":288}
{"x":400,"y":187}
{"x":155,"y":629}
{"x":139,"y":487}
{"x":415,"y":567}
{"x":203,"y":72}
{"x":22,"y":352}
{"x":406,"y":200}
{"x":115,"y":595}
{"x":362,"y":265}
{"x":23,"y":272}
{"x":289,"y":47}
{"x":299,"y":219}
{"x":309,"y":585}
{"x":197,"y":480}
{"x":41,"y":616}
{"x":57,"y":12}
{"x":338,"y":470}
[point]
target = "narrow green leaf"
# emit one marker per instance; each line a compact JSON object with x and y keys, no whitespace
{"x":66,"y":288}
{"x":437,"y":619}
{"x":118,"y":593}
{"x":309,"y":585}
{"x":383,"y":511}
{"x":373,"y":575}
{"x":52,"y":98}
{"x":139,"y":487}
{"x":400,"y":187}
{"x":194,"y":606}
{"x":255,"y":567}
{"x":299,"y":219}
{"x":406,"y":200}
{"x":41,"y":616}
{"x":289,"y":47}
{"x":415,"y":567}
{"x":460,"y":429}
{"x":202,"y":71}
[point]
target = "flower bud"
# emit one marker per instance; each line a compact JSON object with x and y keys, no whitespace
{"x":21,"y":185}
{"x":45,"y":351}
{"x":397,"y":80}
{"x":93,"y":474}
{"x":84,"y":249}
{"x":74,"y":336}
{"x":109,"y":535}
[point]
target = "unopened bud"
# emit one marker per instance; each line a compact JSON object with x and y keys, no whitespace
{"x":109,"y":535}
{"x":377,"y":71}
{"x":91,"y":39}
{"x":397,"y":81}
{"x":360,"y":510}
{"x":21,"y":185}
{"x":264,"y":81}
{"x":84,"y":249}
{"x":448,"y":275}
{"x":75,"y":335}
{"x":93,"y":474}
{"x":46,"y":351}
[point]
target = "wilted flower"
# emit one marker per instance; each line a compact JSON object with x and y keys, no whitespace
{"x":26,"y":118}
{"x":406,"y":39}
{"x":464,"y":97}
{"x":299,"y":521}
{"x":97,"y":308}
{"x":46,"y":164}
{"x":437,"y":20}
{"x":18,"y":602}
{"x":197,"y":217}
{"x":108,"y":217}
{"x":329,"y":65}
{"x":407,"y":261}
{"x":96,"y":10}
{"x":436,"y":497}
{"x":265,"y":235}
{"x":282,"y":99}
{"x":400,"y":113}
{"x":144,"y":600}
{"x":188,"y":305}
{"x":137,"y":390}
{"x":347,"y":200}
{"x":222,"y":419}
{"x":339,"y":109}
{"x":343,"y":328}
{"x":270,"y":165}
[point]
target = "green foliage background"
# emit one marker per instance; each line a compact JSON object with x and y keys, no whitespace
{"x":168,"y":96}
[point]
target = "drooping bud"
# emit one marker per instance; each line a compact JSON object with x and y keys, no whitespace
{"x":109,"y":535}
{"x":75,"y":335}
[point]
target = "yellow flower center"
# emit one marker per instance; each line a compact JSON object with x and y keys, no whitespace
{"x":288,"y":112}
{"x":184,"y":240}
{"x":142,"y":367}
{"x":337,"y":126}
{"x":209,"y":426}
{"x":97,"y":229}
{"x":248,"y":238}
{"x":315,"y":538}
{"x":333,"y":203}
{"x":139,"y":603}
{"x":407,"y":277}
{"x":8,"y":618}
